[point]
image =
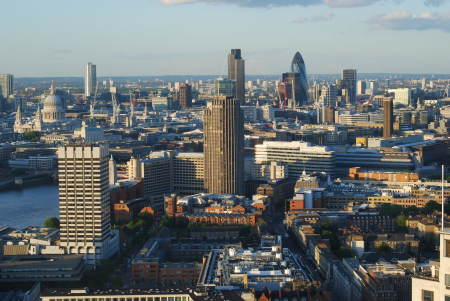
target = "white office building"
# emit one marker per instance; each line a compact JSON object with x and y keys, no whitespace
{"x":84,"y":203}
{"x":90,"y":80}
{"x":298,"y":156}
{"x":401,"y":96}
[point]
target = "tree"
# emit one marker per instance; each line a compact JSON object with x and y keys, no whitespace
{"x":51,"y":222}
{"x":430,"y":207}
{"x":391,"y":210}
{"x":345,"y":252}
{"x":400,"y":222}
{"x":384,"y":248}
{"x":33,"y":136}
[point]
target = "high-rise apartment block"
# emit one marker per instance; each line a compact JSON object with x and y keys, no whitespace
{"x":185,"y":96}
{"x":388,"y":117}
{"x":224,"y":146}
{"x":236,"y":72}
{"x":167,"y":172}
{"x":84,"y":203}
{"x":90,"y":80}
{"x":349,"y":84}
{"x":6,"y":85}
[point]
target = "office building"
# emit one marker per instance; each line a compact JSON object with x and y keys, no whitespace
{"x":328,"y":95}
{"x":84,"y":203}
{"x":166,"y":172}
{"x":6,"y":85}
{"x":298,"y":66}
{"x":185,"y":96}
{"x":224,"y":146}
{"x":388,"y":117}
{"x":236,"y":72}
{"x":160,"y":103}
{"x":349,"y":84}
{"x":298,"y":156}
{"x":225,"y":87}
{"x":402,"y":96}
{"x":188,"y":173}
{"x":361,"y":87}
{"x":90,"y":80}
{"x":274,"y":268}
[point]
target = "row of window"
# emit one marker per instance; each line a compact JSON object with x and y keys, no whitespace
{"x":181,"y":298}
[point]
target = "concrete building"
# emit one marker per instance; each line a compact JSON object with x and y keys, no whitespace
{"x":84,"y":202}
{"x":6,"y":85}
{"x":90,"y":80}
{"x":435,"y":286}
{"x":188,"y":173}
{"x":168,"y":172}
{"x":224,"y":146}
{"x":299,"y":157}
{"x":272,"y":268}
{"x":236,"y":73}
{"x":401,"y":96}
{"x":328,"y":96}
{"x":388,"y":112}
{"x":185,"y":96}
{"x":160,"y":103}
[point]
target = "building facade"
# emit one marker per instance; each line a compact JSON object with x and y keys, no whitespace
{"x":84,"y":201}
{"x":224,"y":146}
{"x":236,"y":72}
{"x":90,"y":80}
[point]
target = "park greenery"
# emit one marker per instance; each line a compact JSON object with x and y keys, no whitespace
{"x":51,"y":222}
{"x":32,"y":136}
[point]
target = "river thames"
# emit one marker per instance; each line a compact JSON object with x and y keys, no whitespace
{"x":29,"y":206}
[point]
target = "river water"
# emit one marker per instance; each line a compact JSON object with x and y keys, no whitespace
{"x":29,"y":206}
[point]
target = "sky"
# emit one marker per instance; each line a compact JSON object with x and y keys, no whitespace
{"x":176,"y":37}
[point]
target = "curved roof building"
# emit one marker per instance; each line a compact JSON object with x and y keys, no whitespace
{"x":295,"y":84}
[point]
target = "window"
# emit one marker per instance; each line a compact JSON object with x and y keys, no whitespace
{"x":447,"y":280}
{"x":427,"y":295}
{"x":447,"y":298}
{"x":447,"y":248}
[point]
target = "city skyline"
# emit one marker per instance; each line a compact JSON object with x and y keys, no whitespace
{"x":149,"y":46}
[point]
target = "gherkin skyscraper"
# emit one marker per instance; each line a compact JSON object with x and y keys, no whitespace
{"x":294,"y":89}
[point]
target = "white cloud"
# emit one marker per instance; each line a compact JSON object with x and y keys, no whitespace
{"x":404,"y":20}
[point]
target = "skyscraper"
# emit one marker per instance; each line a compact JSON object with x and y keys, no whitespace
{"x":90,"y":80}
{"x":295,"y":83}
{"x":6,"y":85}
{"x":224,"y":146}
{"x":349,"y":83}
{"x":388,"y":117}
{"x":84,"y":204}
{"x":236,"y":72}
{"x":225,"y":87}
{"x":328,"y":95}
{"x":185,"y":96}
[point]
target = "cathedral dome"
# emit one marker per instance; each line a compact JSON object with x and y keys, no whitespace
{"x":53,"y":107}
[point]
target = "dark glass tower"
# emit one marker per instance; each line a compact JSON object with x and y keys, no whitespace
{"x":296,"y":82}
{"x":236,"y":72}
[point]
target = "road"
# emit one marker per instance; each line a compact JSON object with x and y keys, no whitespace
{"x":276,"y":227}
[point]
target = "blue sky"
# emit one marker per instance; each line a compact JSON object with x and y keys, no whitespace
{"x":158,"y":37}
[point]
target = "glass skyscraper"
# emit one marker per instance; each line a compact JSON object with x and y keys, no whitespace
{"x":295,"y":83}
